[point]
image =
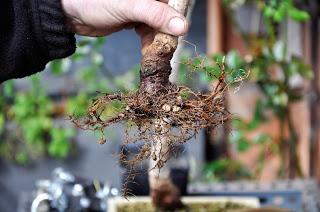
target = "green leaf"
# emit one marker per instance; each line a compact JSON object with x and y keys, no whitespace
{"x":298,"y":15}
{"x":236,"y":135}
{"x":233,"y":60}
{"x":218,"y":58}
{"x":99,"y":42}
{"x":254,"y":124}
{"x":214,"y":72}
{"x":197,"y":62}
{"x":266,"y":52}
{"x":226,"y":169}
{"x":8,"y":88}
{"x":262,"y":139}
{"x":268,"y":12}
{"x":77,"y":106}
{"x":205,"y":78}
{"x":22,"y":158}
{"x":297,"y":65}
{"x":239,"y":124}
{"x":259,"y":111}
{"x":23,"y":106}
{"x":280,"y":99}
{"x":184,"y":95}
{"x":77,"y":56}
{"x":60,"y":66}
{"x":243,"y":145}
{"x":59,"y":146}
{"x":278,"y":16}
{"x":34,"y":128}
{"x":2,"y":122}
{"x":112,"y":109}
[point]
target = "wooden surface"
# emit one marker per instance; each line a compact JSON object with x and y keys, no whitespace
{"x":214,"y":27}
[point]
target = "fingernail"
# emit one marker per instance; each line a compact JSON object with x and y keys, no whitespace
{"x":177,"y":26}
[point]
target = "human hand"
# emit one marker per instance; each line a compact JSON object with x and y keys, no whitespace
{"x":103,"y":17}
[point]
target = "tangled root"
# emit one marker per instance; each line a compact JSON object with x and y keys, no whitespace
{"x":175,"y":113}
{"x":182,"y":112}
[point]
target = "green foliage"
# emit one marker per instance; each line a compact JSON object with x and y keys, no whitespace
{"x":230,"y":67}
{"x":2,"y":122}
{"x":60,"y":144}
{"x":8,"y":90}
{"x":278,"y":10}
{"x":60,"y":66}
{"x":239,"y":139}
{"x":22,"y":158}
{"x":33,"y":112}
{"x":272,"y":70}
{"x":77,"y":106}
{"x":226,"y":170}
{"x":112,"y":109}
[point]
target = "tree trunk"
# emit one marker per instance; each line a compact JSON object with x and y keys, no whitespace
{"x":154,"y":78}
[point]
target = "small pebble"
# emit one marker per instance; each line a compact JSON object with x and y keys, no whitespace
{"x":166,"y":107}
{"x":176,"y":108}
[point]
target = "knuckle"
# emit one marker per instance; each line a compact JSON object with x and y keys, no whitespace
{"x":157,"y":16}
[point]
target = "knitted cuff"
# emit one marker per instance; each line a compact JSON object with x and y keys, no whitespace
{"x":51,"y":30}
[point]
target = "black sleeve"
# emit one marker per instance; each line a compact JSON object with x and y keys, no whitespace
{"x":32,"y":33}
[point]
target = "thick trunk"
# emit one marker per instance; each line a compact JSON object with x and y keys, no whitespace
{"x":154,"y":73}
{"x":155,"y":65}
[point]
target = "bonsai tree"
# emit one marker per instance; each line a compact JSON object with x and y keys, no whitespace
{"x":162,"y":114}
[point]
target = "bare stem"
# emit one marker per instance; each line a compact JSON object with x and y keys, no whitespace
{"x":154,"y":78}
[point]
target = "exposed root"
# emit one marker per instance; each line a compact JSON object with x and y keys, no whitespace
{"x":182,"y":112}
{"x":175,"y":112}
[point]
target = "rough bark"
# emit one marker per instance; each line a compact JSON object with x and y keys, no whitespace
{"x":155,"y":65}
{"x":154,"y":78}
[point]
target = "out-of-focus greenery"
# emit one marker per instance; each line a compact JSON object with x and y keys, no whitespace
{"x":275,"y":73}
{"x":29,"y":119}
{"x":273,"y":10}
{"x":211,"y":69}
{"x":31,"y":116}
{"x":226,"y":170}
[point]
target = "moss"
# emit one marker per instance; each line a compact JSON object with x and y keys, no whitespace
{"x":194,"y":207}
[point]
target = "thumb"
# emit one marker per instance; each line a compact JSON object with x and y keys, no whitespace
{"x":160,"y":16}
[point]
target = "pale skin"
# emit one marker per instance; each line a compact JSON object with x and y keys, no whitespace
{"x":103,"y":17}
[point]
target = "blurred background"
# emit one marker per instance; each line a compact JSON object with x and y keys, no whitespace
{"x":273,"y":142}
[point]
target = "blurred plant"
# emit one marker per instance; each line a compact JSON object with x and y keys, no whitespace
{"x":33,"y":114}
{"x":226,"y":170}
{"x":29,"y":115}
{"x":276,"y":73}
